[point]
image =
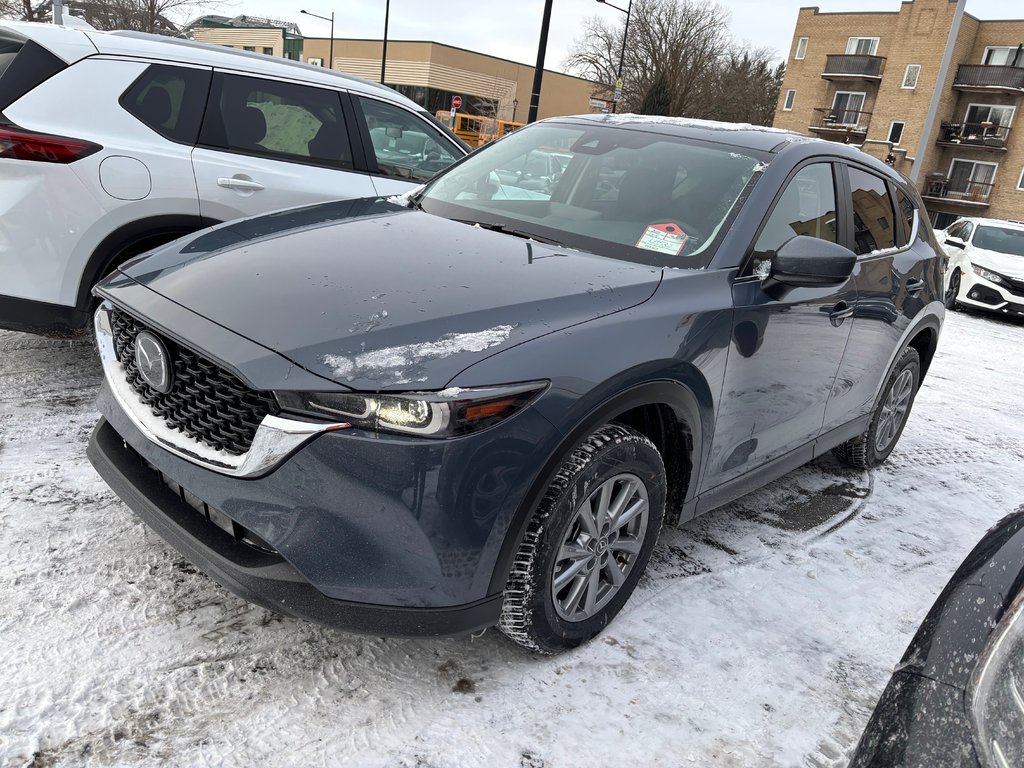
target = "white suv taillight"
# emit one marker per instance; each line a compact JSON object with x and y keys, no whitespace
{"x":19,"y":144}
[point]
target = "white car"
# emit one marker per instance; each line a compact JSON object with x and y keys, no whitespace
{"x":114,"y":143}
{"x":986,"y":265}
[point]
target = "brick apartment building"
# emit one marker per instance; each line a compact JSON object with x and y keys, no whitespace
{"x":929,"y":86}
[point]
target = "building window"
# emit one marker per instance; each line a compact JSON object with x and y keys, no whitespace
{"x":896,"y":132}
{"x":847,"y":108}
{"x":1003,"y":56}
{"x":910,"y":76}
{"x":989,"y":115}
{"x":1020,"y":182}
{"x":801,"y":48}
{"x":315,"y":61}
{"x":250,"y":48}
{"x":790,"y":100}
{"x":862,"y":46}
{"x":970,"y":180}
{"x":268,"y":51}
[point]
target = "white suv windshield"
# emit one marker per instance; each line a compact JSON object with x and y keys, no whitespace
{"x":618,"y":192}
{"x":1000,"y":240}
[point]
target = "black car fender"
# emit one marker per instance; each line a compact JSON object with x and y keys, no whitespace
{"x":674,"y":393}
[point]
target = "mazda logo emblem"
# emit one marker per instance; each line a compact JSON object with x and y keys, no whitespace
{"x":153,"y":362}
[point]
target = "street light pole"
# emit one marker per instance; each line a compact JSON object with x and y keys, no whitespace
{"x":628,"y":10}
{"x":384,"y":52}
{"x":538,"y":73}
{"x":330,"y":64}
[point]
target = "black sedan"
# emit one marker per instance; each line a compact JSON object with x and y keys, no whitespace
{"x":956,"y":700}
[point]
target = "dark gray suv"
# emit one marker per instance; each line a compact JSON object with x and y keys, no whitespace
{"x":479,"y":403}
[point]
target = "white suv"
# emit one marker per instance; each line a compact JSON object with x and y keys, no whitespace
{"x":986,"y":265}
{"x":115,"y":143}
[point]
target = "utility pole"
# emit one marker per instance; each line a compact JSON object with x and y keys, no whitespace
{"x":538,"y":73}
{"x":384,"y":53}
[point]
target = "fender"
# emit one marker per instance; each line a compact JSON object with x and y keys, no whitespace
{"x":931,"y":316}
{"x":671,"y":393}
{"x":154,"y":229}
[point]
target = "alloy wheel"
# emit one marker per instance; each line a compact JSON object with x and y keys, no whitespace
{"x":600,"y":547}
{"x":894,"y":410}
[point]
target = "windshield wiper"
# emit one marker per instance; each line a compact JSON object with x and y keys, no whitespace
{"x":507,"y":230}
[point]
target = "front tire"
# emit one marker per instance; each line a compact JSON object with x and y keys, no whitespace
{"x":588,"y":542}
{"x":950,"y":299}
{"x":874,"y":446}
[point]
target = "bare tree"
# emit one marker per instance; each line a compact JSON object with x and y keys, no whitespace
{"x":154,"y":16}
{"x":679,"y":58}
{"x":24,"y":10}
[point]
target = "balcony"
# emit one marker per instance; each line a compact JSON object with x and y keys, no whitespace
{"x":973,"y":194}
{"x":854,"y":67}
{"x":985,"y":78}
{"x":835,"y":123}
{"x":974,"y":135}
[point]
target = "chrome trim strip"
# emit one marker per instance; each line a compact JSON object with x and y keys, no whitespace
{"x":276,"y":437}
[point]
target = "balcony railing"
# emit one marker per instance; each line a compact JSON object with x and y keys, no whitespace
{"x":985,"y":77}
{"x":843,"y":120}
{"x":982,"y":135}
{"x":960,"y":190}
{"x":853,"y":67}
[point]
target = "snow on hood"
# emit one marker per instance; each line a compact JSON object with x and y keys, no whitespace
{"x":689,"y":122}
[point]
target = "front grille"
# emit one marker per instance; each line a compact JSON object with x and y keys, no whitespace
{"x":205,"y":402}
{"x":1016,"y":286}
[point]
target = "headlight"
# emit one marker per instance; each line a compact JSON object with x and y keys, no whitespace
{"x":448,"y":413}
{"x":984,"y":273}
{"x":996,"y":695}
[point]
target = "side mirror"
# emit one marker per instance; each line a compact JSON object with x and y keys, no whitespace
{"x":956,"y":242}
{"x":807,"y":262}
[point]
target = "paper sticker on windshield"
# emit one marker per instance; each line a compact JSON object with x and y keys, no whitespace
{"x":663,"y":238}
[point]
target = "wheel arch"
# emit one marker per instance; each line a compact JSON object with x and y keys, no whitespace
{"x":668,"y":412}
{"x":925,"y":339}
{"x":131,"y":239}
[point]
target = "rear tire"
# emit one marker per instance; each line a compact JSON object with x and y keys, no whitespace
{"x":891,"y":413}
{"x":588,"y":542}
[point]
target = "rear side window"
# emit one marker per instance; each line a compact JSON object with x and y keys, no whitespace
{"x":906,"y":208}
{"x":283,"y":121}
{"x":24,"y":64}
{"x":169,"y":100}
{"x":874,"y":220}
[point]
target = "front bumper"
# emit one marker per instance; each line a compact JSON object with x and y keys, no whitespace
{"x":978,"y":293}
{"x":260,"y":577}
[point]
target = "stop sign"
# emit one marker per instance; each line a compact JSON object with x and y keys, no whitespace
{"x":456,"y":102}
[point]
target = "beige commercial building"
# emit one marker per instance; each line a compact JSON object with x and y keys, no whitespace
{"x":930,"y":87}
{"x":432,"y":73}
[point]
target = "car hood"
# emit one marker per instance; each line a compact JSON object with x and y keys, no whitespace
{"x":374,"y":295}
{"x":1003,"y":263}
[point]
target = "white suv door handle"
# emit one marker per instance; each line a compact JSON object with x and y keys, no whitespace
{"x":235,"y":182}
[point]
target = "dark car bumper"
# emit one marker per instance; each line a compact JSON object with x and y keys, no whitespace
{"x":260,"y":577}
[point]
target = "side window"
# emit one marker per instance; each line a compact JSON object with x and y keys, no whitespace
{"x":807,"y":207}
{"x":170,"y":100}
{"x":874,"y":222}
{"x":957,"y":230}
{"x":907,"y":211}
{"x":405,"y":145}
{"x":967,"y":232}
{"x":282,"y":121}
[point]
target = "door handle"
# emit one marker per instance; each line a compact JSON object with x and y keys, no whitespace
{"x":839,"y":313}
{"x":234,"y":182}
{"x":915,"y":286}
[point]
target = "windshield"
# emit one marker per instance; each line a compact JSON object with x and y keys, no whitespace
{"x":618,"y":192}
{"x":1000,"y":240}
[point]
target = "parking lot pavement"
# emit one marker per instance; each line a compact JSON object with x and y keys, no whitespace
{"x":762,"y":635}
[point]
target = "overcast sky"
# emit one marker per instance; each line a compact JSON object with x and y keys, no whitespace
{"x":510,"y":28}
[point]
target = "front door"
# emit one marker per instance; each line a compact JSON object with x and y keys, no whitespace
{"x":786,"y":344}
{"x":271,"y":144}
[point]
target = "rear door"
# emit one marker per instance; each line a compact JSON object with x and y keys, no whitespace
{"x":268,"y":144}
{"x":895,"y":279}
{"x":787,"y":343}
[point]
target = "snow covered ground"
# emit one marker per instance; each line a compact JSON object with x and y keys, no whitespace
{"x":762,"y":635}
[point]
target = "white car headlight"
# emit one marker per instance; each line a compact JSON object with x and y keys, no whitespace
{"x":992,"y":277}
{"x":996,"y":694}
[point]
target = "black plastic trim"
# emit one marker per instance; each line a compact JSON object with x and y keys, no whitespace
{"x":40,"y":317}
{"x":264,"y":579}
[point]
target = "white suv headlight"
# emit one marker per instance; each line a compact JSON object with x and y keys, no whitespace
{"x":996,"y":694}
